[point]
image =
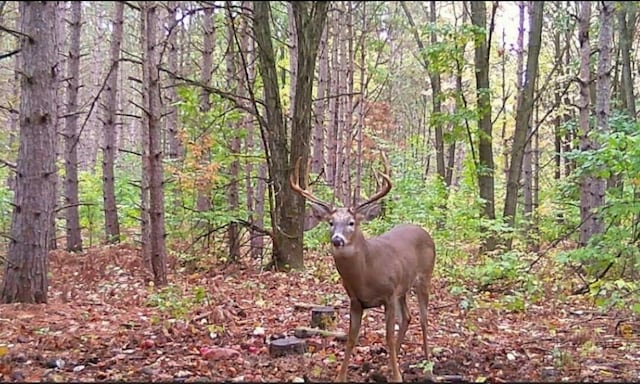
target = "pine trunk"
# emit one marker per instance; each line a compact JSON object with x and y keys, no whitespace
{"x":154,"y":131}
{"x":26,"y":268}
{"x":112,"y":224}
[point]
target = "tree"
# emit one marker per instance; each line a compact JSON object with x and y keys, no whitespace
{"x":112,"y":224}
{"x":434,"y":77}
{"x":234,"y":168}
{"x":592,"y":192}
{"x":203,"y":201}
{"x":26,"y":268}
{"x":627,"y":17}
{"x":288,"y":210}
{"x":523,"y":116}
{"x":175,"y":150}
{"x":74,"y":235}
{"x":152,"y":129}
{"x":320,"y":104}
{"x":485,"y":147}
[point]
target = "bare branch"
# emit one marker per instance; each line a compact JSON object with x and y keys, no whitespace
{"x":9,"y":54}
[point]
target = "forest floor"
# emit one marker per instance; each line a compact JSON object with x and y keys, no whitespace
{"x":105,"y":323}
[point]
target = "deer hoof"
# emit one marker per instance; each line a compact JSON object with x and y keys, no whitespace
{"x":396,"y":379}
{"x":341,"y":378}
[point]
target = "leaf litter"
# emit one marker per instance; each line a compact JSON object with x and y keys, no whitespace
{"x":105,"y":322}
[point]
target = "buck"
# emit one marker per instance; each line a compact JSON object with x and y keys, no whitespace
{"x":378,"y":271}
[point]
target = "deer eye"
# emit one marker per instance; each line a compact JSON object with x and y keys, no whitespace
{"x":352,"y":223}
{"x":331,"y":223}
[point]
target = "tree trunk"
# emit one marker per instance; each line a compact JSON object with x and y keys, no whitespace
{"x":348,"y":108}
{"x":174,"y":145}
{"x":485,"y":149}
{"x":627,"y":16}
{"x":14,"y":120}
{"x":61,"y":109}
{"x":145,"y":220}
{"x":112,"y":224}
{"x":527,"y":182}
{"x":361,"y":102}
{"x":320,"y":104}
{"x":332,"y":129}
{"x":26,"y":268}
{"x":557,"y":121}
{"x":434,"y":76}
{"x":293,"y":59}
{"x":626,"y":22}
{"x":340,"y":179}
{"x":203,"y":201}
{"x":74,"y":236}
{"x":568,"y":115}
{"x":234,"y":168}
{"x":154,"y":131}
{"x":584,"y":77}
{"x":255,"y":198}
{"x":523,"y":116}
{"x":593,"y":189}
{"x":287,"y":220}
{"x":535,"y":198}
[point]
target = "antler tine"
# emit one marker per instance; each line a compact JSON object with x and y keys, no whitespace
{"x":387,"y":187}
{"x":295,"y":185}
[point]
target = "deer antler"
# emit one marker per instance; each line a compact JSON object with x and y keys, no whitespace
{"x":387,"y":183}
{"x":295,"y":185}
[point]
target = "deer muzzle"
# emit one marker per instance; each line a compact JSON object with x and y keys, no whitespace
{"x":337,"y":240}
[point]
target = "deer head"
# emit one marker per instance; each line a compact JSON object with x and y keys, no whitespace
{"x":343,"y":221}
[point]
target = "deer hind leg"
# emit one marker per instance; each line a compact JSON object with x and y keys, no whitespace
{"x":390,"y":320}
{"x":422,"y":289}
{"x":404,"y":321}
{"x":355,"y":319}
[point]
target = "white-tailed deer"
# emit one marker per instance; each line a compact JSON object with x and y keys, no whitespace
{"x":379,"y":270}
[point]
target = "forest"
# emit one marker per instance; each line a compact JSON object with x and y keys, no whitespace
{"x":313,"y":191}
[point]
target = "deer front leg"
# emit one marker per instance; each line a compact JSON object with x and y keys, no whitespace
{"x":390,"y":319}
{"x":355,"y":319}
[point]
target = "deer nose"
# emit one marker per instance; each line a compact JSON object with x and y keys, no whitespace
{"x":337,"y":241}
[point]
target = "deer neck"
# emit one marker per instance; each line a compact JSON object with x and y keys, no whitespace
{"x":351,"y":260}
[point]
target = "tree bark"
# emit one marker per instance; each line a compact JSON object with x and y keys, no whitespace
{"x":234,"y":168}
{"x":361,"y":103}
{"x":584,"y":77}
{"x":73,"y":234}
{"x":486,"y":167}
{"x":174,"y":146}
{"x":255,"y":197}
{"x":203,"y":201}
{"x":523,"y":116}
{"x":527,"y":160}
{"x":145,"y":220}
{"x":293,"y":59}
{"x":592,"y":195}
{"x":333,"y":92}
{"x":112,"y":224}
{"x":26,"y":268}
{"x":434,"y":76}
{"x":287,"y":218}
{"x":154,"y":132}
{"x":320,"y":104}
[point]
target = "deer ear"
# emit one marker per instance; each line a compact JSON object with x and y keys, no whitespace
{"x":369,"y":212}
{"x":319,"y":211}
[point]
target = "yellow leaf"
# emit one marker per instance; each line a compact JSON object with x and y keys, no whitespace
{"x":3,"y":350}
{"x":625,"y":330}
